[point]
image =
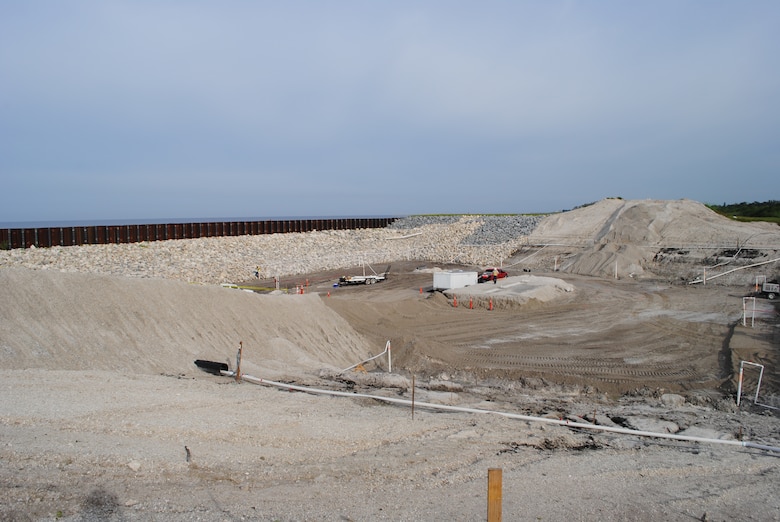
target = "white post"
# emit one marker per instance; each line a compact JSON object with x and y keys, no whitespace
{"x":389,"y":359}
{"x":753,"y":319}
{"x":739,"y":385}
{"x":758,"y":385}
{"x":744,"y":311}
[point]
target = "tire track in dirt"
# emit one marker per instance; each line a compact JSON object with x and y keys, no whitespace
{"x":614,"y":335}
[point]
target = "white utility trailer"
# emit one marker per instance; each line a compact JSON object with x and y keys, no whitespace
{"x":365,"y":279}
{"x":449,"y":279}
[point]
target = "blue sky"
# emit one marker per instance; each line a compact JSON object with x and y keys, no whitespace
{"x":203,"y":109}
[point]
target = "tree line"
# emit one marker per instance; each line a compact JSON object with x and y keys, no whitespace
{"x":756,"y":211}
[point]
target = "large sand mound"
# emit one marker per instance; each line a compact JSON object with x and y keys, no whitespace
{"x":624,"y":237}
{"x":54,"y":320}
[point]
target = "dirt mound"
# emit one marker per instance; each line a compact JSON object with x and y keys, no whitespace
{"x":54,"y":320}
{"x":623,"y":238}
{"x":520,"y":289}
{"x":121,"y":441}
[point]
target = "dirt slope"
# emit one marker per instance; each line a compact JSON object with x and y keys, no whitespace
{"x":105,"y":417}
{"x":54,"y":320}
{"x":634,"y":239}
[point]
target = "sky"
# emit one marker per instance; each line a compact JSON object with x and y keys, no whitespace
{"x":179,"y":109}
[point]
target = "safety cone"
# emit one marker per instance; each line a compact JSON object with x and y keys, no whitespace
{"x":490,"y":305}
{"x":455,"y":302}
{"x":471,"y":303}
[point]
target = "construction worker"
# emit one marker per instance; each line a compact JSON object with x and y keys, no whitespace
{"x":495,"y":275}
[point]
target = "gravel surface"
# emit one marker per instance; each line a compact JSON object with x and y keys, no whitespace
{"x":474,"y":240}
{"x":490,"y":230}
{"x":105,"y":417}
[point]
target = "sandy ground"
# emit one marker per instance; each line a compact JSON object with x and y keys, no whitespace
{"x":105,"y":417}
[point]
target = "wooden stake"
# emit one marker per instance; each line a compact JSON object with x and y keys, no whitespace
{"x":413,"y":397}
{"x":494,"y":495}
{"x":238,"y":360}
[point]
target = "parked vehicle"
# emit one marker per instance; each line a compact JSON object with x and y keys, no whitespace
{"x":770,"y":290}
{"x":364,"y":279}
{"x":487,"y":275}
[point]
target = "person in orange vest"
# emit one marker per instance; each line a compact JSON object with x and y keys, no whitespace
{"x":495,"y":275}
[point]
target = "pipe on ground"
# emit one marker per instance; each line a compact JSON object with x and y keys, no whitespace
{"x":610,"y":429}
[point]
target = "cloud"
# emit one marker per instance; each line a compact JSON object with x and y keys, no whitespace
{"x":554,"y":100}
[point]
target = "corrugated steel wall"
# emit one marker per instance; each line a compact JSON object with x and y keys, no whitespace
{"x":103,"y":234}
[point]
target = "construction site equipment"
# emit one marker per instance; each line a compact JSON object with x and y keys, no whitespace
{"x":365,"y":279}
{"x":546,"y":420}
{"x":770,"y":290}
{"x":766,"y":289}
{"x":449,"y":279}
{"x":361,"y":363}
{"x":211,"y":366}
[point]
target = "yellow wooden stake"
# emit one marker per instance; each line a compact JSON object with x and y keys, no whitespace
{"x":494,"y":495}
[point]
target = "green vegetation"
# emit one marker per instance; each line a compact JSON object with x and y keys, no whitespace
{"x":756,"y":211}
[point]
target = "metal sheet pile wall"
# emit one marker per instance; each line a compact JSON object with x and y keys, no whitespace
{"x":104,"y":234}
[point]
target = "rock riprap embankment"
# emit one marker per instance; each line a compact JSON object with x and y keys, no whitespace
{"x":478,"y":240}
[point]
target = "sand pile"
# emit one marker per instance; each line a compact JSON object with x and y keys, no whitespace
{"x":59,"y":321}
{"x":519,"y":289}
{"x":107,"y":418}
{"x":621,"y":237}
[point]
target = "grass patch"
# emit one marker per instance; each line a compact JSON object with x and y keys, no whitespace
{"x":747,"y":219}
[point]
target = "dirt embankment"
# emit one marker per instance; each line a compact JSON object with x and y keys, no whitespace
{"x":58,"y":321}
{"x":612,"y":334}
{"x":105,"y":417}
{"x":673,"y":240}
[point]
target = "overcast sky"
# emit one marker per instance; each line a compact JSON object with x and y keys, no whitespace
{"x":212,"y":109}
